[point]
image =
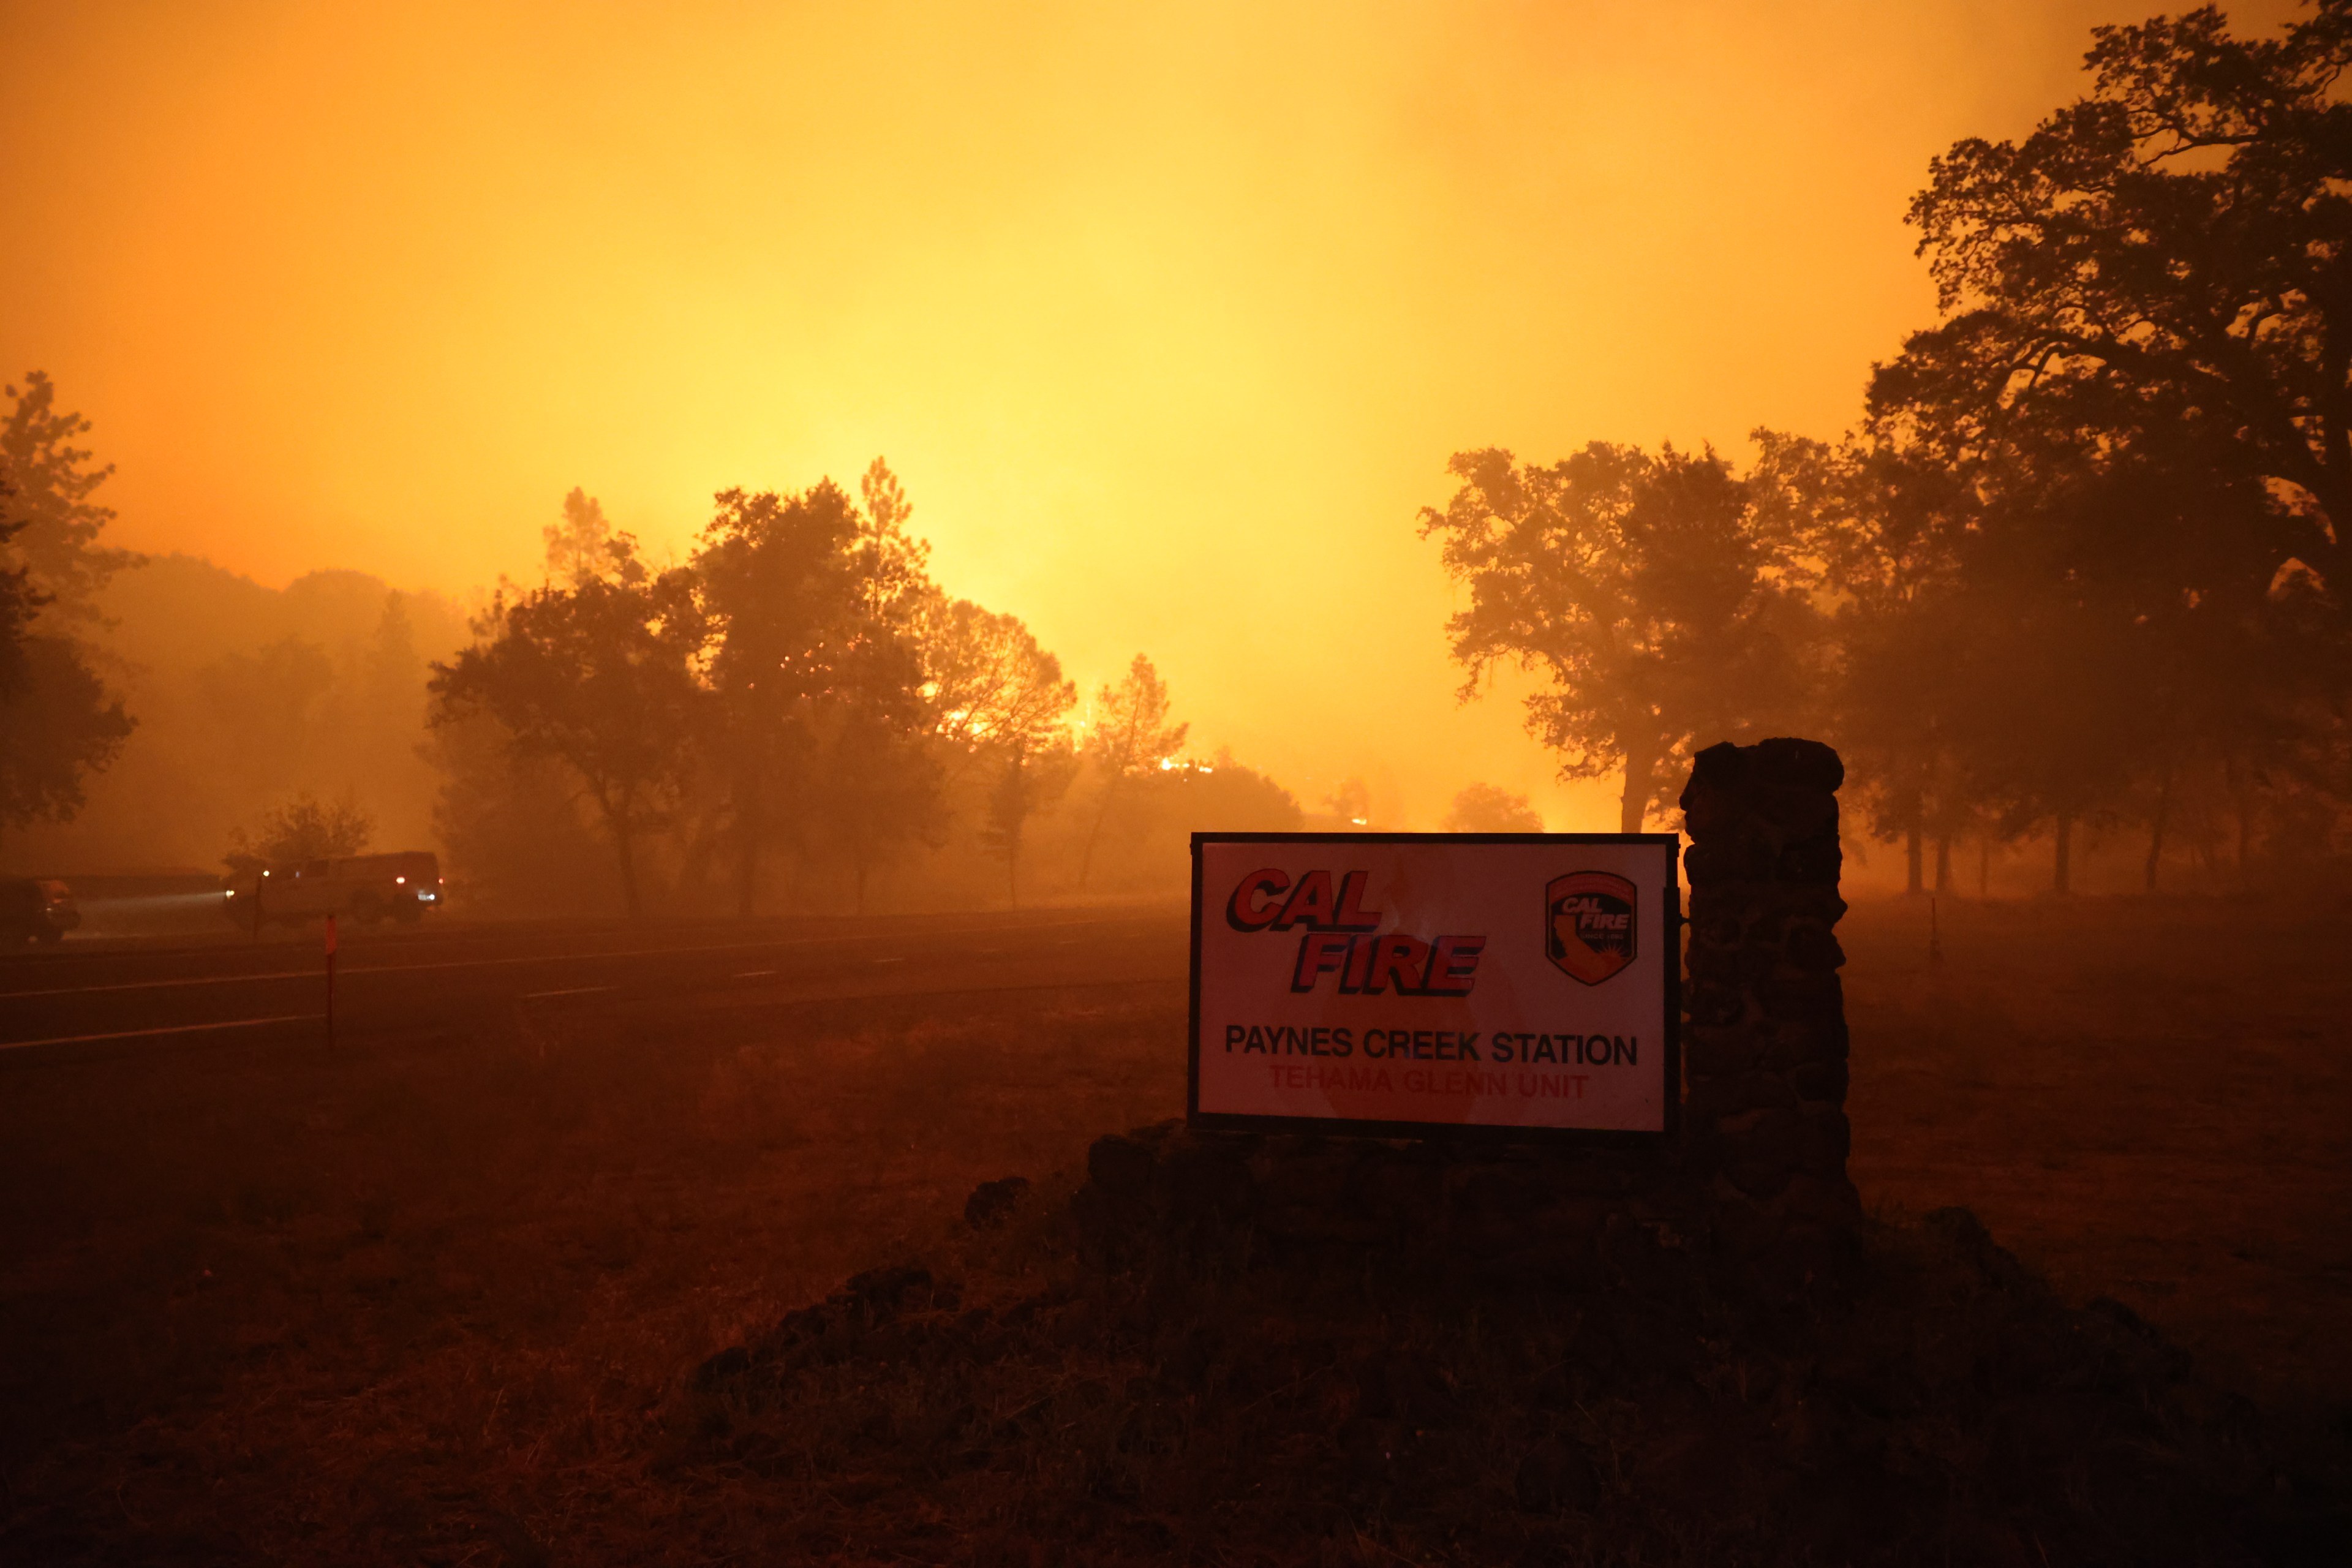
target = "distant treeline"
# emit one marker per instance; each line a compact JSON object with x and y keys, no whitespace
{"x":794,"y":711}
{"x":2080,"y":563}
{"x":152,"y":710}
{"x":796,"y":717}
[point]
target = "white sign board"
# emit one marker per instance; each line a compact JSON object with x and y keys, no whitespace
{"x":1403,"y":985}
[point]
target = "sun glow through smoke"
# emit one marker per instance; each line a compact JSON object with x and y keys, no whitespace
{"x":1168,"y":317}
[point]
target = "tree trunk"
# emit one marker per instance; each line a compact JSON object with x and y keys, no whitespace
{"x":1943,"y":863}
{"x":1086,"y":860}
{"x":624,"y":848}
{"x":1634,"y":805}
{"x":1014,"y":812}
{"x":1912,"y":881}
{"x":750,"y":829}
{"x":2062,"y":877}
{"x":2156,"y":828}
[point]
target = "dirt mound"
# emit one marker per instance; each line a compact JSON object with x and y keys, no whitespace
{"x":1174,"y":1361}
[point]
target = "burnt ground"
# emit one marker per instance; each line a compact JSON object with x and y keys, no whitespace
{"x":445,"y":1301}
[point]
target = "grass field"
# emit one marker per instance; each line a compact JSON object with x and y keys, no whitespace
{"x":436,"y":1301}
{"x":2145,"y":1098}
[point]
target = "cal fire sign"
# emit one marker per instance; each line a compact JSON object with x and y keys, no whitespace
{"x":1409,"y":984}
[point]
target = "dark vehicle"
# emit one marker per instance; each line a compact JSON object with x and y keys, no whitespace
{"x":36,"y":910}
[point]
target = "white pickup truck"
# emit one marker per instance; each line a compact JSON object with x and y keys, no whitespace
{"x":368,"y":887}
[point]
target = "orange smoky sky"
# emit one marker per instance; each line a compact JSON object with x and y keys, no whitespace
{"x":1169,"y":316}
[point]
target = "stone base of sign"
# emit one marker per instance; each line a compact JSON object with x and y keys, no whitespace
{"x":1758,"y":1171}
{"x":1505,"y":1214}
{"x":1764,"y":1050}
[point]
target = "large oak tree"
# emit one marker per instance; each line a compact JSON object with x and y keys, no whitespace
{"x":599,"y":676}
{"x":1648,"y":587}
{"x":813,"y":607}
{"x":2171,"y":252}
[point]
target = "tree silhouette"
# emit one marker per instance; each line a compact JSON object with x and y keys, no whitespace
{"x":890,"y":563}
{"x":59,"y":722}
{"x":2176,"y":241}
{"x":301,"y":829}
{"x":1035,"y":772}
{"x":18,"y":604}
{"x":58,"y":725}
{"x":600,"y":677}
{"x":875,"y":786}
{"x":1130,"y":736}
{"x":773,"y":580}
{"x":1490,"y":809}
{"x":1224,"y":794}
{"x":584,"y":547}
{"x":1649,"y":588}
{"x":1350,"y":803}
{"x":1883,"y":524}
{"x":811,"y":607}
{"x":57,"y":542}
{"x":2141,"y":390}
{"x":885,"y":779}
{"x":999,"y":701}
{"x":511,"y":823}
{"x":2137,"y":562}
{"x":986,"y":678}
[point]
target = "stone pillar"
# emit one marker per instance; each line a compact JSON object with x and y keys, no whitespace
{"x":1765,"y":1048}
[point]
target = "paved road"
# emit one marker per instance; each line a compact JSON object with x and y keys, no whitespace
{"x":101,"y":998}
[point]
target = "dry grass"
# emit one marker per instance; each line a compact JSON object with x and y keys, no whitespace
{"x":440,"y":1301}
{"x":2146,"y":1099}
{"x":392,"y":1306}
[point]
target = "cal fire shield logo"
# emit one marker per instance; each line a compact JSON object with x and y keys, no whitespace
{"x":1589,"y":925}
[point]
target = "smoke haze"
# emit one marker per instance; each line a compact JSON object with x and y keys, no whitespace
{"x":1167,"y":317}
